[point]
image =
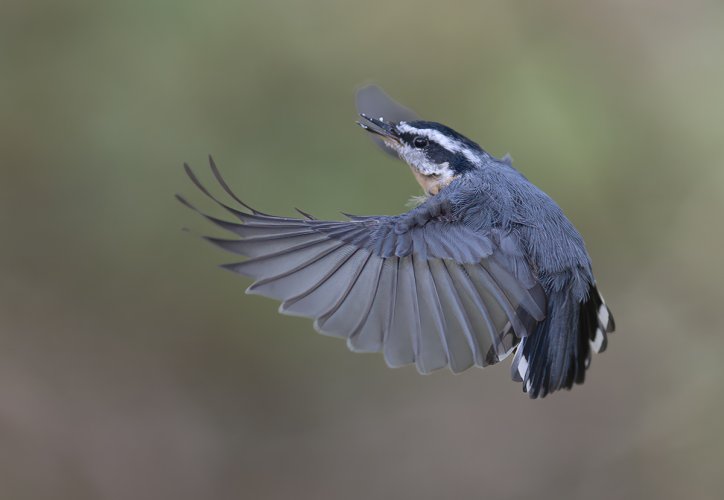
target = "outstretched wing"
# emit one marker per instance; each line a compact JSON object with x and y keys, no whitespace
{"x":419,"y":287}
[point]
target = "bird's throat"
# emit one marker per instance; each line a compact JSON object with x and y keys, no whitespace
{"x":432,"y":184}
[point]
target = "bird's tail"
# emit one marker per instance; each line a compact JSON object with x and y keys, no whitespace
{"x":557,"y":354}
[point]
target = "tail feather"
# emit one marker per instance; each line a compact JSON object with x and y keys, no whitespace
{"x":558,"y":353}
{"x":604,"y":323}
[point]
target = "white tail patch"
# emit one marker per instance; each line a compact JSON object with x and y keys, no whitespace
{"x":522,"y":367}
{"x":523,"y":370}
{"x":603,"y":316}
{"x":597,"y":342}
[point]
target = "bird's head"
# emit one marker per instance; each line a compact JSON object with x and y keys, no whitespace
{"x":436,"y":154}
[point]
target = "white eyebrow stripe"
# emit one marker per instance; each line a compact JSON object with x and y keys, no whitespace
{"x":472,"y":157}
{"x":434,"y":135}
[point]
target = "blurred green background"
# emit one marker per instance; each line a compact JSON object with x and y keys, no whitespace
{"x":132,"y":367}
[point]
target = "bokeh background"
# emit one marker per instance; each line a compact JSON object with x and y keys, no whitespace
{"x":132,"y":367}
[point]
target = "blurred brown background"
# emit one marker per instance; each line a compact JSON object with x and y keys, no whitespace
{"x":132,"y":368}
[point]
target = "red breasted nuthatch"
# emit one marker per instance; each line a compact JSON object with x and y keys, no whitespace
{"x":485,"y":266}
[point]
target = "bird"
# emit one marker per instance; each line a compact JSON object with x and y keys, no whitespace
{"x":485,"y":266}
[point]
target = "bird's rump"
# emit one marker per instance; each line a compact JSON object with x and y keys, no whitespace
{"x":419,"y":287}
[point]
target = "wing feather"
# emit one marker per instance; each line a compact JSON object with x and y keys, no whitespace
{"x":324,"y":297}
{"x":487,"y":319}
{"x":284,"y":261}
{"x":484,"y":282}
{"x":301,"y":279}
{"x":402,"y":339}
{"x":461,"y":347}
{"x":263,"y":245}
{"x":519,"y":295}
{"x":355,"y":306}
{"x":432,"y":353}
{"x":370,"y":337}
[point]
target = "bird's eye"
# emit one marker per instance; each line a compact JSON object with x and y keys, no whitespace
{"x":419,"y":142}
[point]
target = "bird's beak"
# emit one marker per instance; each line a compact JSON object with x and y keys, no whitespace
{"x":385,"y":130}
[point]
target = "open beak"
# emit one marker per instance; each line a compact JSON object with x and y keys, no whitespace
{"x":385,"y":130}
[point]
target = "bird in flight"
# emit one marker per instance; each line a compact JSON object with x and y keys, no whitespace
{"x":485,"y":267}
